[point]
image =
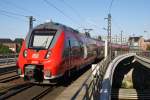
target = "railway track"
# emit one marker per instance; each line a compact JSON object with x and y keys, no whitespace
{"x":7,"y":68}
{"x":17,"y":89}
{"x":13,"y":90}
{"x":43,"y":93}
{"x":34,"y":92}
{"x":9,"y":87}
{"x":8,"y":76}
{"x":130,"y":94}
{"x":7,"y":72}
{"x":11,"y":83}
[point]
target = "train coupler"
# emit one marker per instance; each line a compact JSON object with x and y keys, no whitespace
{"x":33,"y":73}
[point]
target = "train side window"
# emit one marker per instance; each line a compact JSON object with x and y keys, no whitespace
{"x":75,"y":46}
{"x":69,"y":45}
{"x":66,"y":48}
{"x":81,"y":48}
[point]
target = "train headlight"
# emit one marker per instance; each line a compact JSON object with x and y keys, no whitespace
{"x":48,"y":54}
{"x":25,"y":53}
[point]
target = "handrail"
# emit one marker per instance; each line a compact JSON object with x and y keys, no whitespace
{"x":92,"y":83}
{"x":107,"y":81}
{"x":145,"y":54}
{"x":143,"y":60}
{"x":105,"y":92}
{"x":91,"y":87}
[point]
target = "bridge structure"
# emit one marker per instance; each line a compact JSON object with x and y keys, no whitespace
{"x":125,"y":76}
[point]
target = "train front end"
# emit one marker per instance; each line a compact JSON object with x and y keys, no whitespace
{"x":41,"y":54}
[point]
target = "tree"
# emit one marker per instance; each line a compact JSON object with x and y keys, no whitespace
{"x":148,"y":47}
{"x":4,"y":49}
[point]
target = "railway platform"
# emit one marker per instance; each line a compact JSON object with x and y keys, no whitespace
{"x":69,"y":91}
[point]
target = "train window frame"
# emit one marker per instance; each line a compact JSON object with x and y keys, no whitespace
{"x":41,"y":30}
{"x":66,"y":48}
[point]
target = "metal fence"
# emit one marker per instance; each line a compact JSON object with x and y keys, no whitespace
{"x":8,"y":58}
{"x":90,"y":88}
{"x":145,"y":54}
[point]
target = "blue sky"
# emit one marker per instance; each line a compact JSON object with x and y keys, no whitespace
{"x":131,"y":16}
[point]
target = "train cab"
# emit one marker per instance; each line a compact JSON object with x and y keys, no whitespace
{"x":41,"y":53}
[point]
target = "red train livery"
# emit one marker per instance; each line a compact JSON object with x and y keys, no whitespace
{"x":51,"y":50}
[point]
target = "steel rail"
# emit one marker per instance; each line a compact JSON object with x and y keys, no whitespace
{"x":43,"y":93}
{"x":15,"y":89}
{"x":10,"y":78}
{"x":7,"y":72}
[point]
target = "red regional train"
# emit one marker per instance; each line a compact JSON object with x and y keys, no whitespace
{"x":51,"y":50}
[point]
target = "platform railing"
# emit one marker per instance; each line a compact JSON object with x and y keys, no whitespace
{"x":8,"y":58}
{"x":92,"y":85}
{"x":145,"y":54}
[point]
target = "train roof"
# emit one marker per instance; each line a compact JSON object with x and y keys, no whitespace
{"x":58,"y":26}
{"x":54,"y":25}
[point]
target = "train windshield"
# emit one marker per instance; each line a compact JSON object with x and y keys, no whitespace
{"x":41,"y":39}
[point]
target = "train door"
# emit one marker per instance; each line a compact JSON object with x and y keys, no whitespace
{"x":67,"y":56}
{"x":70,"y":55}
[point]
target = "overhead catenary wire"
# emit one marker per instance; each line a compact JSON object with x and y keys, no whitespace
{"x":120,"y":29}
{"x":14,"y":5}
{"x":109,"y":12}
{"x":77,"y":13}
{"x":16,"y":15}
{"x":73,"y":9}
{"x":110,"y":6}
{"x":60,"y":11}
{"x":116,"y":24}
{"x":12,"y":13}
{"x":12,"y":17}
{"x":18,"y":7}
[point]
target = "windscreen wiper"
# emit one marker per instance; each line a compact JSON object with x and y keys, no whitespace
{"x":45,"y":42}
